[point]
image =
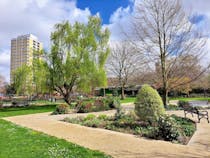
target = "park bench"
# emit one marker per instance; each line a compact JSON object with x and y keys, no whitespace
{"x":193,"y":110}
{"x":20,"y":103}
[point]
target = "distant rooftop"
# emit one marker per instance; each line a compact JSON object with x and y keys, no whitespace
{"x":27,"y":35}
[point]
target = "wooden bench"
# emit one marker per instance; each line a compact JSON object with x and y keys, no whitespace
{"x":193,"y":110}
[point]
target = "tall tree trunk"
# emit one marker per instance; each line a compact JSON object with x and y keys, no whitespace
{"x":164,"y":78}
{"x":104,"y":91}
{"x":165,"y":96}
{"x":67,"y":100}
{"x":122,"y":92}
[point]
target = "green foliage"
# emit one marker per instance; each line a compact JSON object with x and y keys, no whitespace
{"x":149,"y":105}
{"x":119,"y":113}
{"x":40,"y":74}
{"x":61,"y":109}
{"x":172,"y":107}
{"x":167,"y":129}
{"x":32,"y":79}
{"x":97,"y":104}
{"x":83,"y":106}
{"x":187,"y":126}
{"x":90,"y":117}
{"x":78,"y":55}
{"x":112,"y":102}
{"x":102,"y":117}
{"x":22,"y":79}
{"x":115,"y":93}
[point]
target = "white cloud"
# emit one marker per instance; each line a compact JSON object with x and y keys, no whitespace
{"x":121,"y":19}
{"x":119,"y":23}
{"x":33,"y":16}
{"x":39,"y":16}
{"x":5,"y":63}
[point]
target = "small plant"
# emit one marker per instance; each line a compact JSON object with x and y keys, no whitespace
{"x":102,"y":117}
{"x":112,"y":102}
{"x":167,"y":128}
{"x":92,"y":123}
{"x":90,"y":117}
{"x":172,"y":107}
{"x":81,"y":106}
{"x":119,"y":113}
{"x":61,"y":109}
{"x":149,"y":106}
{"x":58,"y":152}
{"x":183,"y":103}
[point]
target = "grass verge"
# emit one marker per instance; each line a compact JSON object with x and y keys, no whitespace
{"x":6,"y":112}
{"x":19,"y":142}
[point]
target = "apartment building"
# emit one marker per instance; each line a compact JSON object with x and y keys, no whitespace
{"x":22,"y":51}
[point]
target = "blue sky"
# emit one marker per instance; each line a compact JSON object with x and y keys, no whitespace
{"x":105,"y":7}
{"x":39,"y":16}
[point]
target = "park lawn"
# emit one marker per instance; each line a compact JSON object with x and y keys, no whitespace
{"x":191,"y":99}
{"x":128,"y":100}
{"x":19,"y":142}
{"x":6,"y":112}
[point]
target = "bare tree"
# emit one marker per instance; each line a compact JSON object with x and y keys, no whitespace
{"x":162,"y":30}
{"x":123,"y":62}
{"x":2,"y":84}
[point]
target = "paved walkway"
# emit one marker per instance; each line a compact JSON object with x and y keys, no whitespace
{"x":117,"y":144}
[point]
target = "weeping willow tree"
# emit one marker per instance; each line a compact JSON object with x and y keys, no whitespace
{"x":77,"y":58}
{"x":40,"y":72}
{"x":22,"y":80}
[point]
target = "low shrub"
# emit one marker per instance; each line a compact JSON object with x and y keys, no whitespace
{"x":102,"y":117}
{"x":183,"y":103}
{"x":61,"y":109}
{"x":172,"y":107}
{"x":112,"y":102}
{"x":92,"y":123}
{"x":90,"y":117}
{"x":119,"y":113}
{"x":187,"y":126}
{"x":167,"y":129}
{"x":81,"y":106}
{"x":98,"y":104}
{"x":149,"y":106}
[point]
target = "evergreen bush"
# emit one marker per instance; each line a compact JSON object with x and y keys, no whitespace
{"x":149,"y":106}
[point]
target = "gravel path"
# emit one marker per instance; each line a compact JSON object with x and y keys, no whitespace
{"x":117,"y":144}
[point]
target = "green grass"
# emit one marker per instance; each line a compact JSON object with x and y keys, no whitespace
{"x":191,"y":99}
{"x":19,"y":142}
{"x":128,"y":100}
{"x":6,"y":112}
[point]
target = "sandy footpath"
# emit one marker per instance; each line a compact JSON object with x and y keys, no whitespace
{"x":117,"y":144}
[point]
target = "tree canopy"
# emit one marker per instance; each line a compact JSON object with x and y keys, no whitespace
{"x":77,"y":57}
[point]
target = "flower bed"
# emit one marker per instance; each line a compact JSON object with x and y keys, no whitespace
{"x":89,"y":105}
{"x":169,"y":128}
{"x":97,"y":104}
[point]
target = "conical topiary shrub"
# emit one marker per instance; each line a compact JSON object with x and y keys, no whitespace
{"x":149,"y":106}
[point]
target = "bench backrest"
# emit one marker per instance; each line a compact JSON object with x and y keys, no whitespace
{"x":190,"y":109}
